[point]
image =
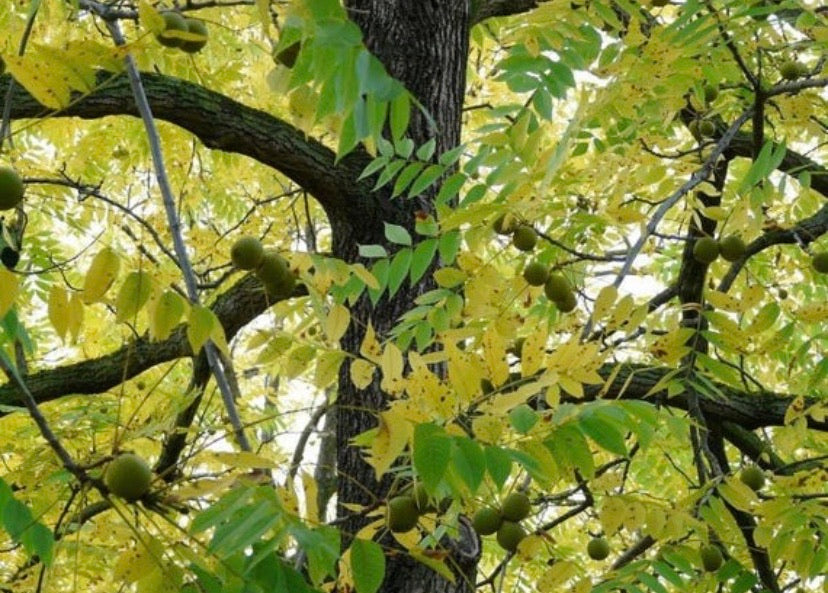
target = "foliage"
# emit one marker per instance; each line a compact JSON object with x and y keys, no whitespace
{"x":625,"y":409}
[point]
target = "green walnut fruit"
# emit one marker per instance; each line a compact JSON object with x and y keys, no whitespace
{"x":277,"y":278}
{"x":567,"y":304}
{"x":752,"y":477}
{"x":487,"y":520}
{"x":732,"y":247}
{"x":820,"y":262}
{"x":11,"y":188}
{"x":505,"y":224}
{"x":706,"y":250}
{"x":791,"y":70}
{"x":196,"y":27}
{"x":509,"y":535}
{"x":706,"y":128}
{"x":557,"y":288}
{"x":598,"y":548}
{"x":402,"y":514}
{"x":173,"y":21}
{"x":711,"y":92}
{"x":516,"y":507}
{"x":782,"y":294}
{"x":128,"y":476}
{"x":287,"y":56}
{"x":525,"y":238}
{"x":247,"y":253}
{"x":711,"y":557}
{"x":536,"y":274}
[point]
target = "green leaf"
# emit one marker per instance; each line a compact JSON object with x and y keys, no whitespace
{"x":19,"y":522}
{"x":372,"y":251}
{"x":374,"y":166}
{"x":449,"y":246}
{"x":468,"y":461}
{"x":570,"y":449}
{"x":405,"y":178}
{"x":432,"y":451}
{"x":389,"y":173}
{"x":367,"y":565}
{"x":398,"y":270}
{"x":425,"y":179}
{"x":450,"y":187}
{"x":426,"y":151}
{"x":603,"y":432}
{"x":399,"y":116}
{"x":397,"y":234}
{"x":523,"y":418}
{"x":423,"y":256}
{"x":133,"y":295}
{"x":498,"y":464}
{"x":450,"y":157}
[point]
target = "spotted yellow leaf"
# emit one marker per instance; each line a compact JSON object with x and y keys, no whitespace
{"x":362,"y":372}
{"x":101,"y":274}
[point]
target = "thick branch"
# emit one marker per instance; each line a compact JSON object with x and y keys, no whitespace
{"x":224,"y":124}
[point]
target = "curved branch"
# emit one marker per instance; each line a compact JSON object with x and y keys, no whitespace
{"x":486,"y":9}
{"x":224,"y":124}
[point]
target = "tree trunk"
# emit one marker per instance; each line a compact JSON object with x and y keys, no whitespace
{"x":423,"y":44}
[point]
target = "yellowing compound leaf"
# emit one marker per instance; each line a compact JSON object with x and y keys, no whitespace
{"x":494,"y":356}
{"x":603,"y":304}
{"x":59,"y":310}
{"x":362,"y":372}
{"x":371,"y":348}
{"x":393,"y":434}
{"x":166,"y":314}
{"x":101,"y":274}
{"x":133,"y":295}
{"x":337,"y":322}
{"x":391,"y":365}
{"x":8,"y":290}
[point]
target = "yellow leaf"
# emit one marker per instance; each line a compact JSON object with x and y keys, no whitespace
{"x":813,"y":312}
{"x":370,"y":347}
{"x":166,"y":315}
{"x":337,"y":322}
{"x":46,"y":84}
{"x":393,"y":434}
{"x":150,"y":17}
{"x":362,"y":372}
{"x":558,"y":574}
{"x":533,"y":352}
{"x":367,"y":277}
{"x":720,"y":300}
{"x":8,"y":290}
{"x":199,"y":327}
{"x":737,"y":494}
{"x":606,"y":299}
{"x":59,"y":310}
{"x":391,"y":365}
{"x":101,"y":274}
{"x":327,"y":368}
{"x":136,"y":563}
{"x":241,"y":459}
{"x":75,"y":315}
{"x":309,"y":487}
{"x":494,"y":356}
{"x":449,"y":277}
{"x":133,"y":295}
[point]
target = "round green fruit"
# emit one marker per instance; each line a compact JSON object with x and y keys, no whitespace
{"x":711,"y":557}
{"x":516,"y":507}
{"x":791,"y":70}
{"x":247,"y":253}
{"x":707,"y":128}
{"x":525,"y":238}
{"x":536,"y":274}
{"x":706,"y":250}
{"x":509,"y":535}
{"x":487,"y":520}
{"x":196,"y":27}
{"x":732,"y":247}
{"x":11,"y":188}
{"x":752,"y":477}
{"x":128,"y":476}
{"x":277,"y":278}
{"x":173,"y":21}
{"x":567,"y":304}
{"x":693,"y":127}
{"x":598,"y":548}
{"x":557,"y":288}
{"x":402,"y":514}
{"x":711,"y":92}
{"x":820,"y":262}
{"x":505,"y":224}
{"x":782,"y":294}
